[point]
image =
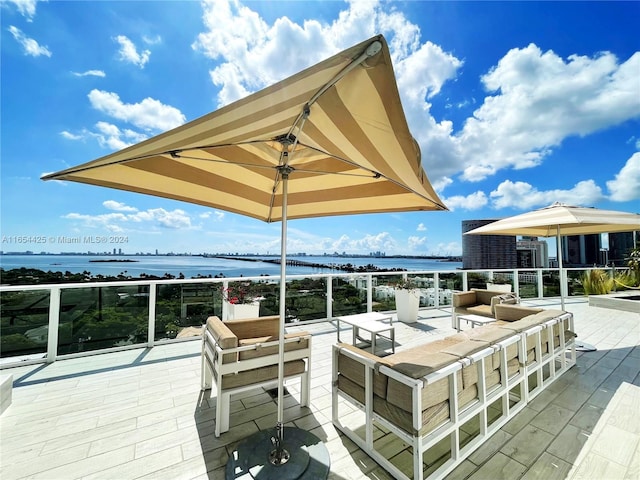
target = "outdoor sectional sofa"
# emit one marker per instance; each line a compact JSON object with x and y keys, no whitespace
{"x":478,"y":301}
{"x":445,"y":398}
{"x":239,"y":355}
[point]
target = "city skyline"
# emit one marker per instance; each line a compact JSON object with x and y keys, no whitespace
{"x":514,"y":105}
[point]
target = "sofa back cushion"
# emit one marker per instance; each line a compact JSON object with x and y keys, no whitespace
{"x":461,"y":299}
{"x":255,"y":327}
{"x":354,"y":370}
{"x":485,"y":296}
{"x":510,"y":313}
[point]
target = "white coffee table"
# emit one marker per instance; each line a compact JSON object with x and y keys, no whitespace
{"x":372,"y":323}
{"x":474,"y":320}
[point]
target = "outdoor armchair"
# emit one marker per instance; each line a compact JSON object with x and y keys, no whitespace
{"x":242,"y":354}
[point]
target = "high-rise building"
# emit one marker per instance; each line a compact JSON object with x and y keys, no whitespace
{"x":487,"y":251}
{"x":532,"y":253}
{"x":620,"y":246}
{"x":581,"y":250}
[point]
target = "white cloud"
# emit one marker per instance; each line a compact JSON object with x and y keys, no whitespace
{"x":120,"y":222}
{"x":249,"y":50}
{"x":540,"y":99}
{"x":217,"y":215}
{"x":474,"y":201}
{"x":118,"y":206}
{"x":129,"y":53}
{"x":148,"y":114}
{"x":27,"y":8}
{"x":421,"y":228}
{"x":104,"y":220}
{"x":416,"y":243}
{"x":90,"y":73}
{"x":110,"y":136}
{"x":369,"y":243}
{"x":448,"y":249}
{"x":31,"y":47}
{"x":71,"y":136}
{"x":152,"y":40}
{"x":626,"y":185}
{"x":524,"y":196}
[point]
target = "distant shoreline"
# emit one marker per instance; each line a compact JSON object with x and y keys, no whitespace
{"x":115,"y":260}
{"x":239,"y":256}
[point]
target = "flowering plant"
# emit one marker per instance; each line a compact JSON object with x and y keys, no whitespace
{"x":237,"y":294}
{"x":407,"y":284}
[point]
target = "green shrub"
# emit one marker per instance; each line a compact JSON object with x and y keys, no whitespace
{"x":597,"y":282}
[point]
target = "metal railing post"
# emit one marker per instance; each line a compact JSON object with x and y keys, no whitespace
{"x":329,"y":297}
{"x":369,"y":292}
{"x":54,"y":323}
{"x":540,"y":285}
{"x":151,"y":334}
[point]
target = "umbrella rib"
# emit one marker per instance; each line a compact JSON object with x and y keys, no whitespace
{"x":372,"y":49}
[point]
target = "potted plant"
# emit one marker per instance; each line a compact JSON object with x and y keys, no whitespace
{"x":499,"y":284}
{"x":239,"y":302}
{"x":407,"y":294}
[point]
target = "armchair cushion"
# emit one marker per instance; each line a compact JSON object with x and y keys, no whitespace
{"x":255,"y":327}
{"x":261,"y":351}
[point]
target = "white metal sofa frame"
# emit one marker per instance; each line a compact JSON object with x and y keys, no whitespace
{"x":558,"y":360}
{"x":213,"y":368}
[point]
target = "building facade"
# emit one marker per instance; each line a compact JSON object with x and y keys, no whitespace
{"x":581,"y":250}
{"x":487,"y":251}
{"x":620,"y":246}
{"x":532,"y":253}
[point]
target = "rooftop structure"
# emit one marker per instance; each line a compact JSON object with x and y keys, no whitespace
{"x":140,"y":414}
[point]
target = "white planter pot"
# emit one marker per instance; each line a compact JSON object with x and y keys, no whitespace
{"x":499,"y":287}
{"x":243,"y":310}
{"x":407,"y":303}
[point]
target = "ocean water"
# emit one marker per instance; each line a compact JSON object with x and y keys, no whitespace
{"x":192,"y":266}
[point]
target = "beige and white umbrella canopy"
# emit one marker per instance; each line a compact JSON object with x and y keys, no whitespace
{"x":563,"y":220}
{"x":338,"y":127}
{"x":330,"y":140}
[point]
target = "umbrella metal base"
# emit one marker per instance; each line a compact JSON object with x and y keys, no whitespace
{"x":308,"y":457}
{"x":585,"y":347}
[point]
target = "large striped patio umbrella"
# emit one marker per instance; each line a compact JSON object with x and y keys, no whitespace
{"x":330,"y":140}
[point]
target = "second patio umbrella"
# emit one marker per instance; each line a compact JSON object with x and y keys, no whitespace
{"x":560,"y":220}
{"x":330,"y":140}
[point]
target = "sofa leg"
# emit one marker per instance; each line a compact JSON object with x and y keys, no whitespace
{"x":222,"y":413}
{"x":305,"y":389}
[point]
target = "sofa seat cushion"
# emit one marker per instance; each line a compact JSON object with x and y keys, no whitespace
{"x":465,"y":348}
{"x":424,"y":359}
{"x":483,"y":310}
{"x":487,"y":333}
{"x":262,"y":374}
{"x":260,"y":351}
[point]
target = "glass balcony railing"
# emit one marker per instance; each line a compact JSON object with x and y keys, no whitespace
{"x":46,"y":322}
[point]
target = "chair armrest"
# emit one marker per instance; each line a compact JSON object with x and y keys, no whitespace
{"x":463,"y":299}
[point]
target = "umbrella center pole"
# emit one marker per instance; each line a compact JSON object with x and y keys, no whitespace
{"x":279,"y":455}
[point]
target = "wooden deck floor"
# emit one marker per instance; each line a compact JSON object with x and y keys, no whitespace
{"x":140,"y":413}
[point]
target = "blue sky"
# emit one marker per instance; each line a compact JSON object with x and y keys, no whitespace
{"x":515,"y":106}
